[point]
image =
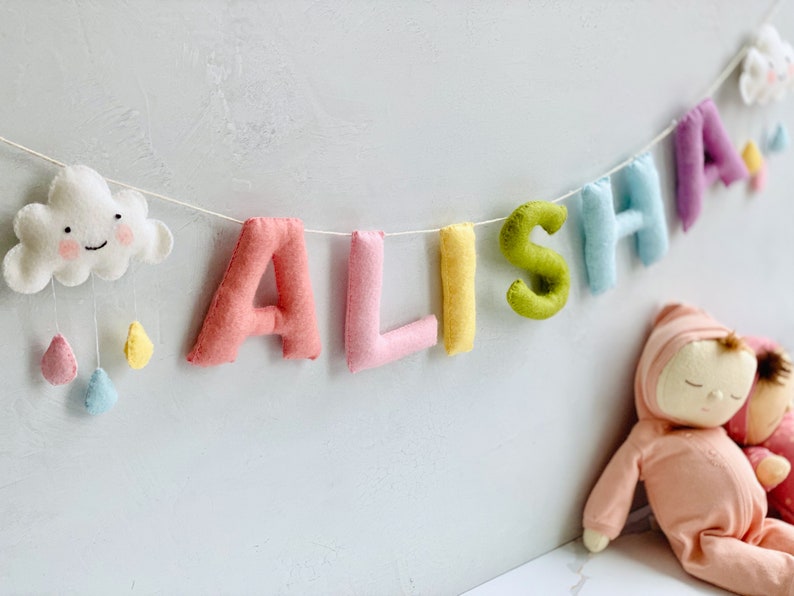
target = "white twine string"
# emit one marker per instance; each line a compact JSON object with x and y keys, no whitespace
{"x":668,"y":130}
{"x":134,"y":293}
{"x":96,"y":324}
{"x":55,"y":305}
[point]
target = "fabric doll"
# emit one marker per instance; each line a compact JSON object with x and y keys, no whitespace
{"x":765,"y":425}
{"x":693,"y":375}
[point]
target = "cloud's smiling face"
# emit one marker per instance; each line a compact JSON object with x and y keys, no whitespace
{"x":780,"y":64}
{"x":92,"y":226}
{"x":768,"y":70}
{"x":82,"y":229}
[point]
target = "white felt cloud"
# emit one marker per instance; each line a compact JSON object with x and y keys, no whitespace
{"x":768,"y":68}
{"x":82,"y":229}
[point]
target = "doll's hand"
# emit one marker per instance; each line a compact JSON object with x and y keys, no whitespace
{"x":772,"y":470}
{"x":594,"y":541}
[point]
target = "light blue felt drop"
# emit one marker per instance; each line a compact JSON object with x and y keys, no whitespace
{"x":779,"y":140}
{"x":101,"y":394}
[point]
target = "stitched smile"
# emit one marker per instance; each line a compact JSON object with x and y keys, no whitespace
{"x":96,"y":247}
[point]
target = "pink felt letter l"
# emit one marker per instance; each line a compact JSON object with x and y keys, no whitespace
{"x":364,"y":344}
{"x":703,"y":153}
{"x":232,"y":316}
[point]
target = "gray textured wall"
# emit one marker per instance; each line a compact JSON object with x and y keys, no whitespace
{"x":426,"y":476}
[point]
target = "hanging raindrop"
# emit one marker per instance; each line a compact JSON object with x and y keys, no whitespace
{"x":138,"y":348}
{"x":58,"y":365}
{"x":101,"y":394}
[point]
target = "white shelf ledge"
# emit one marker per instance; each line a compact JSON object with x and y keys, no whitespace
{"x":633,"y":564}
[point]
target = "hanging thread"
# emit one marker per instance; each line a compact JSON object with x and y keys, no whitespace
{"x":55,"y":304}
{"x":96,"y":324}
{"x":134,"y":293}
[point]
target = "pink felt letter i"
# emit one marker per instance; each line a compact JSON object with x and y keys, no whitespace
{"x":232,"y":316}
{"x":366,"y":347}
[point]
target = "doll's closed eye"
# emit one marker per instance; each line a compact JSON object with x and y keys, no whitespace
{"x":737,"y":396}
{"x":690,"y":383}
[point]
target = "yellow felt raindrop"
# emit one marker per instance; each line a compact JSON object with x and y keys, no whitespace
{"x":138,"y":348}
{"x":752,"y":158}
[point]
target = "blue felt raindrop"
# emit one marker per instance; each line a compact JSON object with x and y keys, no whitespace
{"x":101,"y":394}
{"x":779,"y":141}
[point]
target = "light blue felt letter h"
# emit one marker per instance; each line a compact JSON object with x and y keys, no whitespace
{"x":603,"y":227}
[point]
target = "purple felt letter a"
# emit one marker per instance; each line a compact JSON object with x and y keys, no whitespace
{"x":703,"y":154}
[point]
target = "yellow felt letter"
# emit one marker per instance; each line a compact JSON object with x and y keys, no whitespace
{"x":458,"y":263}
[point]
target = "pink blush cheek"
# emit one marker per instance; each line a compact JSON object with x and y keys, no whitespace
{"x":69,"y":249}
{"x":771,"y":77}
{"x":791,"y":70}
{"x":124,"y":234}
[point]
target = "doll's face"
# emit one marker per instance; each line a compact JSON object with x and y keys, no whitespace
{"x":769,"y":402}
{"x":705,"y":384}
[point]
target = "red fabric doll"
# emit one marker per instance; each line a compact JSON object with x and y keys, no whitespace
{"x":764,"y":427}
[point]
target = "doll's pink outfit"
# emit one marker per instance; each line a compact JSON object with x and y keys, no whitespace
{"x":701,"y":487}
{"x":780,"y":442}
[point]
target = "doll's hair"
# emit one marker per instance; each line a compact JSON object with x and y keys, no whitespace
{"x":734,"y":343}
{"x":773,"y":367}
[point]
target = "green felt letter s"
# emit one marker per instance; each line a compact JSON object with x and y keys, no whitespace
{"x":549,"y":266}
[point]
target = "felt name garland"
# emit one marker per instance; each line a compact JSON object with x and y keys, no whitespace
{"x":84,"y":230}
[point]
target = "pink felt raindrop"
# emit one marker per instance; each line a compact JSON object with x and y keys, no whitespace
{"x":758,"y":181}
{"x":58,"y":365}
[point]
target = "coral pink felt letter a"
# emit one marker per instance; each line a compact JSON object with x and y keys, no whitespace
{"x":364,"y":344}
{"x":232,"y":316}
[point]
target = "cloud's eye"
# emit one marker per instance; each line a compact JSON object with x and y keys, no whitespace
{"x":771,"y":64}
{"x":690,"y":383}
{"x":736,"y":396}
{"x":118,"y":215}
{"x":67,"y":229}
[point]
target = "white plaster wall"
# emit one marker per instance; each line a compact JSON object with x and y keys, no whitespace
{"x":427,"y":476}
